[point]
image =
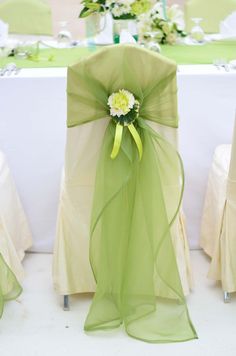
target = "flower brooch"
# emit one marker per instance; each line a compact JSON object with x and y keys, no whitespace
{"x":124,"y":110}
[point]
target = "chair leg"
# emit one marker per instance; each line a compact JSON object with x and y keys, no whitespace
{"x":66,"y":305}
{"x":226,"y":297}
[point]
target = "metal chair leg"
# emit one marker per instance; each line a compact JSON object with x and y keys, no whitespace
{"x":226,"y":297}
{"x":66,"y":305}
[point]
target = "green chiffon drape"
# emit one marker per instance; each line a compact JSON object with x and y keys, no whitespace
{"x":135,"y":201}
{"x":9,"y":286}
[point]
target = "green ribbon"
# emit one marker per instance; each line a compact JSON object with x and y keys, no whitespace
{"x":118,"y":139}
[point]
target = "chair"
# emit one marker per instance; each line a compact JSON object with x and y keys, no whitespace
{"x":212,"y":12}
{"x":72,"y":272}
{"x":27,"y":17}
{"x":218,"y":230}
{"x":15,"y":237}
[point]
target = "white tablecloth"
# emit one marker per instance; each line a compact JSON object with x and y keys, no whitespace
{"x":33,"y":127}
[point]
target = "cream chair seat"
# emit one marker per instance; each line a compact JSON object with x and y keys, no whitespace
{"x":218,"y":231}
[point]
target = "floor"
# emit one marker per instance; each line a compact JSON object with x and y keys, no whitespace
{"x":36,"y":325}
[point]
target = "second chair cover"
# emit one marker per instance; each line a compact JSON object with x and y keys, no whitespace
{"x":27,"y":17}
{"x":218,"y":233}
{"x":15,"y":236}
{"x":135,"y":202}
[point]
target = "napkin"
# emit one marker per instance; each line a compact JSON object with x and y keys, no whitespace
{"x":3,"y":33}
{"x":126,"y":37}
{"x":228,"y":26}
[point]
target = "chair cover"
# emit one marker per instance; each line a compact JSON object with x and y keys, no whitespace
{"x":15,"y":236}
{"x":212,"y":12}
{"x":218,"y":232}
{"x":131,"y":251}
{"x":27,"y":17}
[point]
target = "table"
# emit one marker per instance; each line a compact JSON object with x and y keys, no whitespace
{"x":33,"y":130}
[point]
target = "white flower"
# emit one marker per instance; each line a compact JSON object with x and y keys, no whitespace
{"x":117,"y":11}
{"x":175,"y":15}
{"x":121,"y":102}
{"x":126,"y":2}
{"x":157,"y":11}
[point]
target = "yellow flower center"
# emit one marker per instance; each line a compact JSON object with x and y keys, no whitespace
{"x":120,"y":101}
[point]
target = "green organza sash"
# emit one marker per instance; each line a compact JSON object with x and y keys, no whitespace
{"x":9,"y":286}
{"x":135,"y":201}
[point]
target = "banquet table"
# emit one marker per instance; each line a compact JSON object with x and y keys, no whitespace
{"x":33,"y":132}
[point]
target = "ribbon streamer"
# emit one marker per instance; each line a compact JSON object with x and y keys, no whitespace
{"x":117,"y":141}
{"x":118,"y":138}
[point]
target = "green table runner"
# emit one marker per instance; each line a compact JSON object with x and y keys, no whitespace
{"x":201,"y":54}
{"x":52,"y":57}
{"x":182,"y":54}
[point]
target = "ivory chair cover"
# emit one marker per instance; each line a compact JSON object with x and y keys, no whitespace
{"x":15,"y":236}
{"x":211,"y":11}
{"x":218,"y":232}
{"x":27,"y":17}
{"x":71,"y":268}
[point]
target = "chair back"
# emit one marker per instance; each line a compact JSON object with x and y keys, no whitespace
{"x":211,"y":11}
{"x":27,"y":17}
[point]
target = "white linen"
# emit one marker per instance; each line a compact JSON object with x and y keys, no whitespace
{"x":33,"y":128}
{"x":3,"y":33}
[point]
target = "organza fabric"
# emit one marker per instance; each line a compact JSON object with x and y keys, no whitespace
{"x":9,"y":286}
{"x":135,"y":201}
{"x":72,"y":272}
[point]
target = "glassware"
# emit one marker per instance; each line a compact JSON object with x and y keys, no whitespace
{"x":197,"y":33}
{"x":64,"y":35}
{"x":130,"y":25}
{"x":21,"y":51}
{"x":95,"y":24}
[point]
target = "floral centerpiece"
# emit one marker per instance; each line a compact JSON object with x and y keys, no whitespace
{"x":124,"y":13}
{"x":91,"y":7}
{"x":119,"y":9}
{"x":163,"y":27}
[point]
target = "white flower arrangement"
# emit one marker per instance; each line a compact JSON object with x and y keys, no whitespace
{"x":119,"y":9}
{"x":162,"y":29}
{"x":124,"y":108}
